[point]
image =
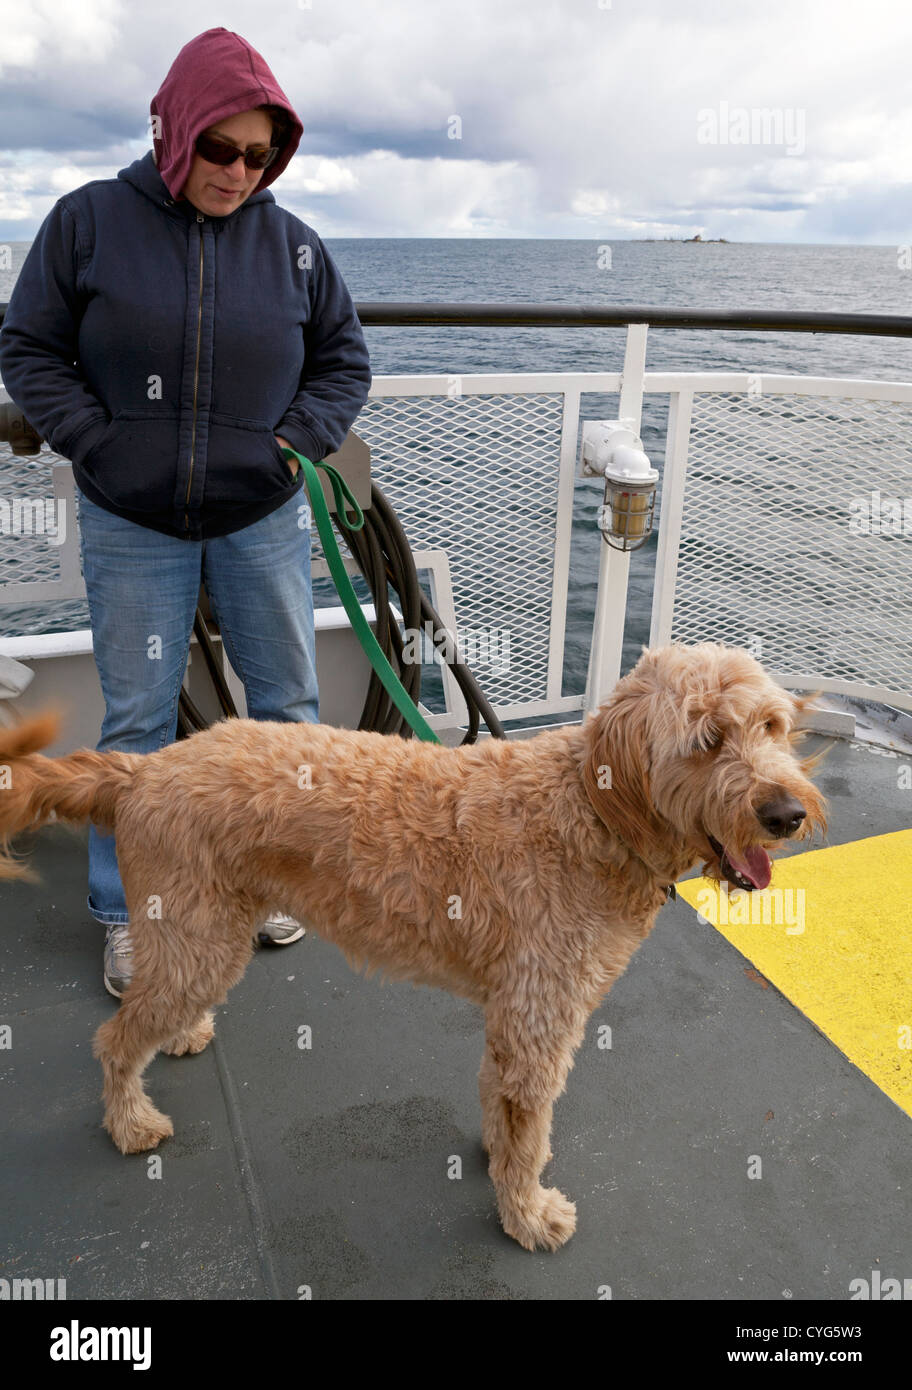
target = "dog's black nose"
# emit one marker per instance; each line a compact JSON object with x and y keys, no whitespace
{"x":781,"y":817}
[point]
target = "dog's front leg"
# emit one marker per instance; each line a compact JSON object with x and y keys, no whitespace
{"x":516,"y":1130}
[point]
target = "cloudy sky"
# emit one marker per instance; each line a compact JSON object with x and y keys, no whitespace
{"x":787,"y":121}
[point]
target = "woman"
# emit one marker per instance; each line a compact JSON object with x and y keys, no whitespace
{"x":170,"y":330}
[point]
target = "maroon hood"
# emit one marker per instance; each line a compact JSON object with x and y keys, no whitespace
{"x":215,"y":75}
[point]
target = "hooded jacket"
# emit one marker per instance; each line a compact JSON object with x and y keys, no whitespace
{"x":162,"y":349}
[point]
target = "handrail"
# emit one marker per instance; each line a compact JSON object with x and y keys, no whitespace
{"x":395,"y":313}
{"x":379,"y":312}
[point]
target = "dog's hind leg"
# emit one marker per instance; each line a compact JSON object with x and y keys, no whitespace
{"x":516,"y":1128}
{"x":192,"y":1039}
{"x":125,"y":1046}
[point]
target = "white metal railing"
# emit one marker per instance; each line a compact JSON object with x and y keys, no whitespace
{"x":764,"y":484}
{"x":483,"y":467}
{"x":756,"y":546}
{"x":786,"y":527}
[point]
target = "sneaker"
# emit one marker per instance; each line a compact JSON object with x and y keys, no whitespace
{"x":279,"y":930}
{"x":118,"y":959}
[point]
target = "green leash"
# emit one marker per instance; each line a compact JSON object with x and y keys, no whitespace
{"x":343,"y":494}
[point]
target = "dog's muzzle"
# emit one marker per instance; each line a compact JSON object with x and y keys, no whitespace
{"x":780,"y":818}
{"x":752,"y":870}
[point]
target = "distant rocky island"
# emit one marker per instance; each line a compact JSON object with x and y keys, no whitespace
{"x":706,"y":241}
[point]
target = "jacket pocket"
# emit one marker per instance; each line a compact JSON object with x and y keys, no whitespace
{"x":244,"y":462}
{"x":83,"y":445}
{"x":134,"y":462}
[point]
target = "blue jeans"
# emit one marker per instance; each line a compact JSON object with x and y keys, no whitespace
{"x":142,"y":589}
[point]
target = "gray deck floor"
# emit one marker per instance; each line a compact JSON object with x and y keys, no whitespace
{"x":327,"y":1168}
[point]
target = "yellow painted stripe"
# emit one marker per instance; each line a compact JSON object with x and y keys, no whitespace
{"x":836,"y":939}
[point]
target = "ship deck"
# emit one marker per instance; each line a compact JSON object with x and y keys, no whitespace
{"x":326,"y":1170}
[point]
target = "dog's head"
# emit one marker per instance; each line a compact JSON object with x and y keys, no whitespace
{"x":692,"y":755}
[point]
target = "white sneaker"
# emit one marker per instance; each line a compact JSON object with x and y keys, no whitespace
{"x":279,"y":930}
{"x":118,"y":959}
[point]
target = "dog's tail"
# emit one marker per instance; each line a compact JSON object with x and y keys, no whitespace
{"x":33,"y":788}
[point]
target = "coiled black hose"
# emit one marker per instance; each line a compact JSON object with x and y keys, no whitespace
{"x":384,"y":557}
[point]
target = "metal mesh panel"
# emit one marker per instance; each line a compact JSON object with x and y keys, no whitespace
{"x":28,"y":551}
{"x":477,"y":476}
{"x":27,"y":555}
{"x":776,"y":488}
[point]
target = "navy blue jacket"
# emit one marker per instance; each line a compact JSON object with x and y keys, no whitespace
{"x":161,"y":350}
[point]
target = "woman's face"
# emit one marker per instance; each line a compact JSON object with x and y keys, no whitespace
{"x":205,"y":179}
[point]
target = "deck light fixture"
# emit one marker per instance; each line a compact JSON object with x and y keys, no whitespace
{"x":613,"y":451}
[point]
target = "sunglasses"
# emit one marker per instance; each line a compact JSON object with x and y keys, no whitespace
{"x":219,"y":152}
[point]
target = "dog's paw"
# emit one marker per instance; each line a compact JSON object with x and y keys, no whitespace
{"x":146,"y":1133}
{"x":191,"y":1041}
{"x":546,"y":1222}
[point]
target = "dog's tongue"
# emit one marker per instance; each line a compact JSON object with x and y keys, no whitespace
{"x":755,"y":866}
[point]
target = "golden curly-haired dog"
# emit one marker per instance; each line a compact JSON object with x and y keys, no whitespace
{"x":522,"y":875}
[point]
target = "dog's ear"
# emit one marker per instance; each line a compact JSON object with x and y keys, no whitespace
{"x":616,"y":770}
{"x":687,"y":704}
{"x":697,"y":724}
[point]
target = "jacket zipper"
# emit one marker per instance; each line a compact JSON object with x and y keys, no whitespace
{"x":199,"y":325}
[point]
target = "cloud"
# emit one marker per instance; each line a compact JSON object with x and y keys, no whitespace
{"x":570,"y":117}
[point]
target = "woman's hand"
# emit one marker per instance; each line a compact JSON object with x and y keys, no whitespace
{"x":292,"y":463}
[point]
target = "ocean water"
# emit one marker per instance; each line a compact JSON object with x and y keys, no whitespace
{"x":843,"y":279}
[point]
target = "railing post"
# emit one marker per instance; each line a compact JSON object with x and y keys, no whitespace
{"x":614,"y":565}
{"x":674,"y":473}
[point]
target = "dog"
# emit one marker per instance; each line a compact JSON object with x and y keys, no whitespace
{"x":519,"y":874}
